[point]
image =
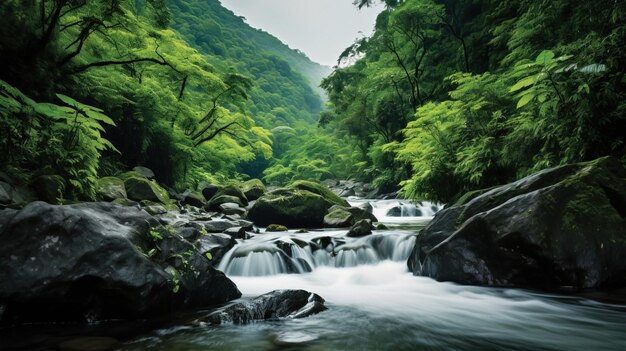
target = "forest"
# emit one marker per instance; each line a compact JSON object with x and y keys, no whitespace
{"x":445,"y":97}
{"x":172,"y":178}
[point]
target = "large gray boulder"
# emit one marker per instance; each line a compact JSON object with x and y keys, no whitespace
{"x":97,"y":261}
{"x":562,"y":229}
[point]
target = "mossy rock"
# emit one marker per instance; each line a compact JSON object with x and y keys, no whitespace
{"x":130,"y":174}
{"x":561,"y":229}
{"x":110,"y":188}
{"x":232,"y":190}
{"x":216,"y":201}
{"x":253,"y":189}
{"x":338,"y":218}
{"x":276,"y":228}
{"x":291,"y":207}
{"x":321,"y":190}
{"x":140,"y":188}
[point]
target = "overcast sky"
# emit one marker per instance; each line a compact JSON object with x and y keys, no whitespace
{"x":320,"y":28}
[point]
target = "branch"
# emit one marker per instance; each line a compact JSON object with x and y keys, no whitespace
{"x":215,"y":133}
{"x":84,"y":68}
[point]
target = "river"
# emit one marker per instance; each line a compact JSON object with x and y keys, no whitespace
{"x":376,"y":304}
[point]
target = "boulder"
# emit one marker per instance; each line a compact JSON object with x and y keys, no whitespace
{"x":234,"y":191}
{"x":193,"y":199}
{"x":230,"y":208}
{"x":253,"y":189}
{"x":219,"y":225}
{"x":338,"y":218}
{"x":319,"y":189}
{"x":237,"y":232}
{"x":290,"y":207}
{"x":561,"y":229}
{"x":218,"y":200}
{"x":110,"y":188}
{"x":49,"y":188}
{"x":278,"y":304}
{"x":360,"y":228}
{"x":140,"y":188}
{"x":98,"y":261}
{"x":144,"y":171}
{"x":216,"y":245}
{"x":208,"y":191}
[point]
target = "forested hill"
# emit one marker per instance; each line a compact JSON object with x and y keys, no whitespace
{"x":90,"y":89}
{"x":286,"y":82}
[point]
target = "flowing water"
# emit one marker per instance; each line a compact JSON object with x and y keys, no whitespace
{"x":376,"y":304}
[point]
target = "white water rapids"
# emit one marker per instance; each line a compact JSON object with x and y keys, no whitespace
{"x":375,"y":303}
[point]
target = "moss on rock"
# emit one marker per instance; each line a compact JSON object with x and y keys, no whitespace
{"x":321,"y":190}
{"x":253,"y":189}
{"x":110,"y":188}
{"x":290,"y":207}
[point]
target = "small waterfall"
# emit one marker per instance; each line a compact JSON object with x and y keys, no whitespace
{"x":271,"y":254}
{"x":400,"y":210}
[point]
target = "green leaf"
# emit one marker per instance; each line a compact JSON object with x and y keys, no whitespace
{"x":209,"y":256}
{"x":77,"y":105}
{"x":545,"y":57}
{"x":525,"y":100}
{"x":528,"y":81}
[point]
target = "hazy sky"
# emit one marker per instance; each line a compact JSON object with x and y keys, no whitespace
{"x":320,"y":28}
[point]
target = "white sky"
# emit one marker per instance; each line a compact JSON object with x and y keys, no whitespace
{"x":320,"y":28}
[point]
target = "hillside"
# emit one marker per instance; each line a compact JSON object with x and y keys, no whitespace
{"x":286,"y":82}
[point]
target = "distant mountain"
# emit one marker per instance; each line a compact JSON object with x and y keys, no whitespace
{"x":285,"y":80}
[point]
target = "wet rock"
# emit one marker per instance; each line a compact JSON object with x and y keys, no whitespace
{"x":215,"y":244}
{"x":97,"y":261}
{"x":360,"y":228}
{"x":237,"y":232}
{"x":381,"y":226}
{"x":110,"y":188}
{"x":561,"y":228}
{"x":219,"y":225}
{"x":230,"y":208}
{"x":276,"y":305}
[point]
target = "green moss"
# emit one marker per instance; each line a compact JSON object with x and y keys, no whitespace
{"x":253,"y":189}
{"x":140,"y":188}
{"x":110,"y":188}
{"x":291,"y":207}
{"x":276,"y":228}
{"x":319,"y":189}
{"x":232,"y":190}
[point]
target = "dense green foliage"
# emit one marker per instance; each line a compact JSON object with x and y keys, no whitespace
{"x":471,"y":94}
{"x":195,"y":110}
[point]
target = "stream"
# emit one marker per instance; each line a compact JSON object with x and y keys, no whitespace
{"x":376,"y":304}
